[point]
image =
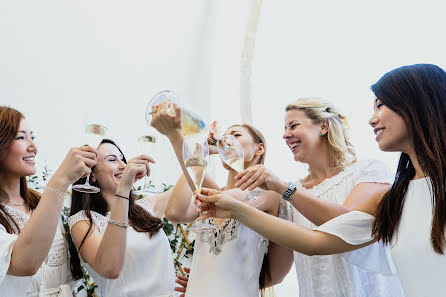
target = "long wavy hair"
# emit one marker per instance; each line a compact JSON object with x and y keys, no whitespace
{"x":10,"y":119}
{"x":318,"y":110}
{"x":417,"y":93}
{"x":139,"y":219}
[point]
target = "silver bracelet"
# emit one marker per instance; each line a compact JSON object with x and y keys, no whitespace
{"x":290,"y":191}
{"x":123,"y":225}
{"x":57,"y":191}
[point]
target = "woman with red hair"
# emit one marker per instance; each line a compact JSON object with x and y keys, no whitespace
{"x":34,"y":258}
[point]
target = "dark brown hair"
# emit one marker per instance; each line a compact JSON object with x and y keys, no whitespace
{"x":10,"y":119}
{"x":139,"y":219}
{"x":418,"y":94}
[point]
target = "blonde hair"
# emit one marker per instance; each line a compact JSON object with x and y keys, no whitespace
{"x":318,"y":110}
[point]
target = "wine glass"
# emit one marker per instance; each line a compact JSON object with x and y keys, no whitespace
{"x":93,"y":136}
{"x":146,"y":143}
{"x":196,"y":156}
{"x":231,"y":152}
{"x":192,"y":123}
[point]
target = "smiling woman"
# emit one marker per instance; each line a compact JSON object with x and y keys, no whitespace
{"x":29,"y":231}
{"x":118,"y":238}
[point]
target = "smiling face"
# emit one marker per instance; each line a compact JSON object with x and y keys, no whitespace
{"x":302,"y":136}
{"x":390,"y":129}
{"x":20,"y":157}
{"x":109,"y":167}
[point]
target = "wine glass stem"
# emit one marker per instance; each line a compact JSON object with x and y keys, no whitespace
{"x":87,"y":181}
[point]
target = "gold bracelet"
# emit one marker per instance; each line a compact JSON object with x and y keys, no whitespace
{"x":123,"y":225}
{"x":57,"y":191}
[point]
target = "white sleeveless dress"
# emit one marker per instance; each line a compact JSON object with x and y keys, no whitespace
{"x":421,"y":270}
{"x":53,"y":277}
{"x":335,"y":275}
{"x":227,"y":261}
{"x":148,"y":268}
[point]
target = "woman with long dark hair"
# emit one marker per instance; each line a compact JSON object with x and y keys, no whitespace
{"x":118,"y":239}
{"x":32,"y":247}
{"x":409,"y":117}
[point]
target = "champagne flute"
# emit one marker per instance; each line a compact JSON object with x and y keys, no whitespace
{"x":196,"y":156}
{"x":231,"y":152}
{"x":146,"y":143}
{"x":93,"y":136}
{"x":192,"y":123}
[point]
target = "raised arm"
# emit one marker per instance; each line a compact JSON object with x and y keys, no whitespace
{"x":285,"y":233}
{"x":105,"y":253}
{"x":35,"y":240}
{"x":316,"y":210}
{"x":180,"y":207}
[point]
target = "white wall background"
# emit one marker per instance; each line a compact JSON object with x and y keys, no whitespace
{"x":64,"y":64}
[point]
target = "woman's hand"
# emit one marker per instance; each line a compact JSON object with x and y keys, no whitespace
{"x":182,"y":281}
{"x":213,"y":138}
{"x":213,"y":203}
{"x":165,"y":122}
{"x":132,"y":173}
{"x":258,"y":176}
{"x":77,"y":164}
{"x":143,"y":160}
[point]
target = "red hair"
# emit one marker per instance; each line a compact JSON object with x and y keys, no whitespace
{"x":10,"y":119}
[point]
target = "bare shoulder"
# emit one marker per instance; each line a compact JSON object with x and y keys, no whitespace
{"x":371,"y":204}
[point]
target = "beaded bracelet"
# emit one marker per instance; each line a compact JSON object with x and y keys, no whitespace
{"x":123,"y":225}
{"x":57,"y":191}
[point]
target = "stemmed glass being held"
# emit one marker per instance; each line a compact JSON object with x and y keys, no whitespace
{"x":196,"y":156}
{"x":146,"y":145}
{"x":231,"y":152}
{"x":93,"y":136}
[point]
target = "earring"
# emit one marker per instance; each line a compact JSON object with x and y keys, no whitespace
{"x":322,"y":134}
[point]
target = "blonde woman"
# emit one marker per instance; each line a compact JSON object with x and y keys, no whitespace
{"x":316,"y":134}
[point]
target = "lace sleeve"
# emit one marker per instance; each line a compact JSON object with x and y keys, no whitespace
{"x":7,"y":242}
{"x":373,"y":171}
{"x":99,"y":220}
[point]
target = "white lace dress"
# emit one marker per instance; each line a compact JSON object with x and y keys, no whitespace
{"x":335,"y":275}
{"x":421,"y":270}
{"x":51,"y":280}
{"x":148,"y":268}
{"x":227,"y":261}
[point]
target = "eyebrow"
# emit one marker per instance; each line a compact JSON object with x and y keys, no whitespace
{"x":233,"y":131}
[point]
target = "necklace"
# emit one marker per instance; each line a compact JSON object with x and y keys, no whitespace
{"x":17,"y":205}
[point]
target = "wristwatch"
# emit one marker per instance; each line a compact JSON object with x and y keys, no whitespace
{"x":291,"y":189}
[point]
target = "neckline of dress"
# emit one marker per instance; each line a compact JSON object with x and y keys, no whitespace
{"x":16,"y":210}
{"x":331,"y":179}
{"x":219,"y":226}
